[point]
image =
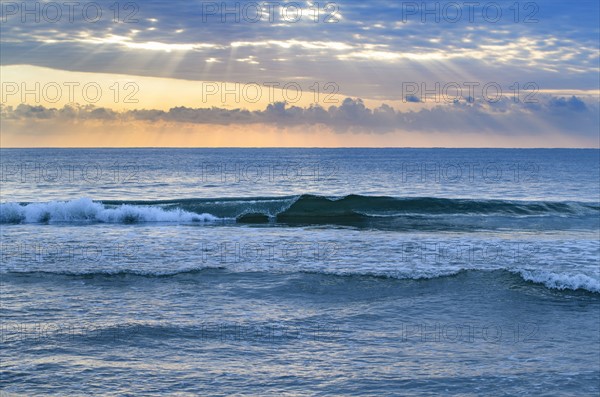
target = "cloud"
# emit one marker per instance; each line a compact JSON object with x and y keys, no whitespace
{"x":412,"y":98}
{"x":173,"y":39}
{"x":551,"y":114}
{"x":573,"y":104}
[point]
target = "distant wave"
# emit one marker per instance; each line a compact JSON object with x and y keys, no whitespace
{"x":304,"y":209}
{"x":561,"y":281}
{"x":551,"y":280}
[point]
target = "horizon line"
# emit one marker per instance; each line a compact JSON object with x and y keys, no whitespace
{"x":297,"y":147}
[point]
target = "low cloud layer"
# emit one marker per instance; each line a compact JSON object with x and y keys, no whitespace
{"x":567,"y":115}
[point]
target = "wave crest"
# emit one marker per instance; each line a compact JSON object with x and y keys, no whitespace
{"x":352,"y":209}
{"x":86,"y":210}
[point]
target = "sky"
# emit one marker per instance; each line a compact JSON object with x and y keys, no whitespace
{"x":300,"y":74}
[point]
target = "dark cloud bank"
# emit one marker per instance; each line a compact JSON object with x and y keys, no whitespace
{"x":572,"y":115}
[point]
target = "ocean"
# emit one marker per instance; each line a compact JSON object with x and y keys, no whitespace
{"x":291,"y":272}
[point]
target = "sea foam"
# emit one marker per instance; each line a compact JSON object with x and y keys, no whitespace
{"x":86,"y":210}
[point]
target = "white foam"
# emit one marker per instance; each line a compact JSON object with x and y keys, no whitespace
{"x":561,"y":281}
{"x":86,"y":210}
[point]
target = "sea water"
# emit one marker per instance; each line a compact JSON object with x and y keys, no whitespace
{"x":300,"y":272}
